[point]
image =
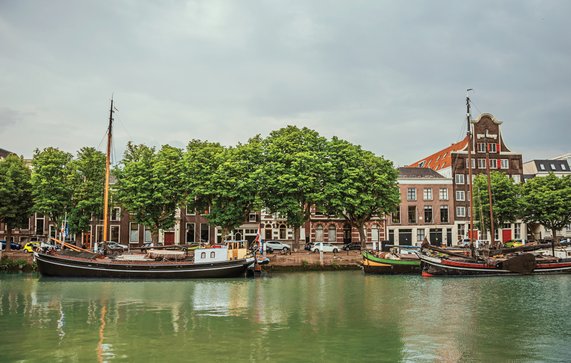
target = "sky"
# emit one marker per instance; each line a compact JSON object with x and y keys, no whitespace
{"x":390,"y":76}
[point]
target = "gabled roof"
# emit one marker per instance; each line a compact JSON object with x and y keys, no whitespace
{"x":417,"y":173}
{"x":4,"y":153}
{"x":441,"y":159}
{"x":547,"y":166}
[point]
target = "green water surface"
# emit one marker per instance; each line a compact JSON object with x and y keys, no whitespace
{"x":341,"y":316}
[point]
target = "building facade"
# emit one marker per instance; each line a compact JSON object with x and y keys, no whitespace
{"x":426,"y":209}
{"x":488,"y":143}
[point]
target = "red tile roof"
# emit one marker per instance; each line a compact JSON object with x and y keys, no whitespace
{"x":441,"y":159}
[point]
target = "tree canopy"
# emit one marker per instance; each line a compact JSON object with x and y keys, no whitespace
{"x":15,"y":194}
{"x":359,"y":185}
{"x":547,"y":200}
{"x":150,"y":187}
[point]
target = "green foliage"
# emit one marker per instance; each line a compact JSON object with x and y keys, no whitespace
{"x":547,"y":200}
{"x":235,"y":185}
{"x":51,"y":183}
{"x":292,"y":175}
{"x":359,"y":184}
{"x":150,"y":185}
{"x":505,"y":200}
{"x":15,"y":194}
{"x":200,"y":163}
{"x":88,"y":184}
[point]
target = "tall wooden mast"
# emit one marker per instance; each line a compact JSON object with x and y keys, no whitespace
{"x":107,"y":174}
{"x":492,"y":230}
{"x":469,"y":135}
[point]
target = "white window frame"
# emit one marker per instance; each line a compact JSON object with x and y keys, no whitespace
{"x":459,"y":178}
{"x":481,"y":163}
{"x":505,"y":164}
{"x":460,"y":211}
{"x":427,"y":193}
{"x":131,"y":230}
{"x":443,"y":193}
{"x":460,"y":195}
{"x":493,"y":163}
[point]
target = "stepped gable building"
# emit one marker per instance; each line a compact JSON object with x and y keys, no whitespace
{"x":425,"y":210}
{"x":452,"y":162}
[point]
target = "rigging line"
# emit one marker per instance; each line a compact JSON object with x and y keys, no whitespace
{"x":101,"y":142}
{"x":127,"y":131}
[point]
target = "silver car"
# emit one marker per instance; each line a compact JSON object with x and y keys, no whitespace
{"x":278,"y":246}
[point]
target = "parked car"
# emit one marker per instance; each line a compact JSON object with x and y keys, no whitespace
{"x":325,"y":247}
{"x":31,"y":246}
{"x":277,"y":246}
{"x":13,"y":245}
{"x":309,"y":246}
{"x":351,"y":246}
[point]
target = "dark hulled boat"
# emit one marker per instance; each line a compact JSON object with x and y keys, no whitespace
{"x":63,"y":265}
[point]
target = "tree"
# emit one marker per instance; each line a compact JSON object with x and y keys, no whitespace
{"x":505,"y":199}
{"x":88,"y":182}
{"x":235,"y":185}
{"x":200,"y":162}
{"x":15,"y":194}
{"x":51,"y":183}
{"x":150,"y":185}
{"x":360,"y":185}
{"x":547,"y":200}
{"x":293,"y":173}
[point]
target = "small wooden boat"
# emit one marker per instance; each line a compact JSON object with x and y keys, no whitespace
{"x":389,"y":263}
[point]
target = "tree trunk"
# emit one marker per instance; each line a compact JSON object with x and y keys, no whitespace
{"x":8,"y":236}
{"x":553,"y":241}
{"x":155,"y":236}
{"x":362,"y":236}
{"x":296,"y":234}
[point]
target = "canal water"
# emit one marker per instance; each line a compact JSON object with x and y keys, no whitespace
{"x":341,"y":316}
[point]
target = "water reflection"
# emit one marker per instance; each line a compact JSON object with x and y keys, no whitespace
{"x":306,"y":316}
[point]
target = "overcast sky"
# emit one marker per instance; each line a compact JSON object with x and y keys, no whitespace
{"x":388,"y":75}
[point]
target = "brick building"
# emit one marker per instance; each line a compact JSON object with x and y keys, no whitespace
{"x":452,"y":162}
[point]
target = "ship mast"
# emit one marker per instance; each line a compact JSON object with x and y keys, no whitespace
{"x":469,"y":135}
{"x":107,"y":174}
{"x":492,"y":230}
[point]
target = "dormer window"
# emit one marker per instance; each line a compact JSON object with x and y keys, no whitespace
{"x":563,"y":167}
{"x":541,"y":166}
{"x":553,"y":167}
{"x":421,"y":164}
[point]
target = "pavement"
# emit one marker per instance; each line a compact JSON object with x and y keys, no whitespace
{"x":305,"y":260}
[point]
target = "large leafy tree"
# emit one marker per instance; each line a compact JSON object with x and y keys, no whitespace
{"x":15,"y":194}
{"x":200,"y":163}
{"x":51,"y":183}
{"x":505,"y":199}
{"x":547,"y":200}
{"x":293,"y":173}
{"x":235,"y":185}
{"x":88,"y":182}
{"x":150,"y":187}
{"x":360,"y":185}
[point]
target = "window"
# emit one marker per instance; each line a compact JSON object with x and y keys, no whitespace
{"x":492,"y":148}
{"x":252,"y":217}
{"x":332,"y":234}
{"x":396,"y":216}
{"x":148,"y":235}
{"x":375,"y":233}
{"x":459,"y":178}
{"x":443,"y":194}
{"x":212,"y":254}
{"x":444,"y":214}
{"x":114,"y":233}
{"x":421,"y":164}
{"x":493,"y":163}
{"x":516,"y":178}
{"x":134,"y":232}
{"x":319,"y":233}
{"x":481,"y":163}
{"x":283,"y":230}
{"x":411,"y":194}
{"x":412,"y":214}
{"x":473,"y":163}
{"x":553,"y":167}
{"x":460,"y":195}
{"x":115,"y":214}
{"x":427,"y":214}
{"x":427,"y":193}
{"x":460,"y":211}
{"x":420,"y":234}
{"x":461,"y":231}
{"x":190,"y":229}
{"x":541,"y":166}
{"x":204,"y":232}
{"x":563,"y":167}
{"x":505,"y":164}
{"x":481,"y":147}
{"x":203,"y":255}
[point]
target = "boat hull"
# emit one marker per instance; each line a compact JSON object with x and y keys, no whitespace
{"x":377,"y":265}
{"x":64,"y":266}
{"x":435,"y":266}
